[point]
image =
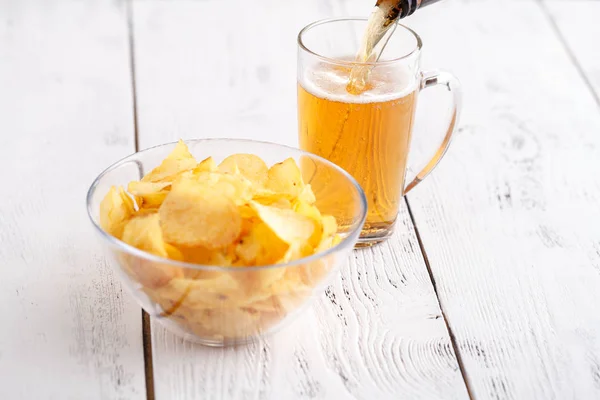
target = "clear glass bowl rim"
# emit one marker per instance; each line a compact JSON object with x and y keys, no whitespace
{"x":353,"y":235}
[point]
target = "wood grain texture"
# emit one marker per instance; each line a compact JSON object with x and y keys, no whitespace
{"x":68,"y":330}
{"x":509,"y":219}
{"x":378,"y":331}
{"x":577,"y":23}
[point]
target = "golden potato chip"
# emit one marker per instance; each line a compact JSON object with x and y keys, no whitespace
{"x":199,"y":216}
{"x":317,"y":271}
{"x":237,"y":188}
{"x":115,"y":210}
{"x":144,"y":188}
{"x":144,"y":233}
{"x":207,"y":292}
{"x":289,"y":226}
{"x":250,"y":166}
{"x":337,"y":239}
{"x":269,"y":198}
{"x":308,"y":210}
{"x":307,"y":195}
{"x":248,"y":213}
{"x":152,"y":274}
{"x":153,"y":201}
{"x":178,"y":161}
{"x":254,"y":282}
{"x":149,"y":194}
{"x":290,"y":291}
{"x":206,"y":165}
{"x":282,"y":203}
{"x":296,"y":252}
{"x":285,"y":178}
{"x":328,"y":230}
{"x":205,"y":256}
{"x":329,"y":225}
{"x":260,"y":246}
{"x":269,"y":303}
{"x":173,"y":252}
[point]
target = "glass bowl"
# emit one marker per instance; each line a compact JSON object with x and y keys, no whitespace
{"x":219,"y":306}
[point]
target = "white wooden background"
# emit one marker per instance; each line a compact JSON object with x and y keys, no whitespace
{"x":489,"y":289}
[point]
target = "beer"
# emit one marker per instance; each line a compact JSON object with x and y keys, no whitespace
{"x":381,"y":25}
{"x":367,"y":134}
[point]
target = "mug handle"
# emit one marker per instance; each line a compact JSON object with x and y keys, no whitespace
{"x":430,"y":79}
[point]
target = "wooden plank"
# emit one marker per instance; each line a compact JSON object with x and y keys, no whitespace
{"x":68,"y":330}
{"x":508,"y":220}
{"x":577,"y":24}
{"x":378,"y":332}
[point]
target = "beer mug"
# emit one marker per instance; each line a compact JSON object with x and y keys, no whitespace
{"x":367,"y":134}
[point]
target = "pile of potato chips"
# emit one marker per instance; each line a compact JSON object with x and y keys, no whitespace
{"x":239,"y":214}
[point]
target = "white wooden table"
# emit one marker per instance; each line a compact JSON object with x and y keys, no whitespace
{"x":490,"y":288}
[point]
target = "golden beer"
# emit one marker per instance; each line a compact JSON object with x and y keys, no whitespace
{"x":367,"y":134}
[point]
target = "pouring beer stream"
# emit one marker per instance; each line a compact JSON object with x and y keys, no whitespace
{"x":381,"y":26}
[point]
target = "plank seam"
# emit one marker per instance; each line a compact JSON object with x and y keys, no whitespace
{"x":131,"y":42}
{"x":148,"y":363}
{"x":146,"y":329}
{"x":444,"y":316}
{"x":568,"y":50}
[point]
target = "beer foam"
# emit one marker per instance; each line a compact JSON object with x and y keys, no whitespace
{"x":330,"y":84}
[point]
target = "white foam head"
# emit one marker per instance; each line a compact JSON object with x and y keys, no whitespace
{"x":330,"y":83}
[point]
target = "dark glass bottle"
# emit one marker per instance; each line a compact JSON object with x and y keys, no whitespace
{"x":402,"y":8}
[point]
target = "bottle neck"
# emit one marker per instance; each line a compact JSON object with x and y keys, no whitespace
{"x":403,"y":8}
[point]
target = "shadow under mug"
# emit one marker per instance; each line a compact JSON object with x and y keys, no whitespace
{"x":367,"y":134}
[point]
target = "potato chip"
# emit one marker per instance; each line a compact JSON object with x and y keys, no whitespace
{"x":261,"y":246}
{"x":290,"y":292}
{"x":205,"y":292}
{"x":194,"y":215}
{"x":153,"y":201}
{"x":144,"y":188}
{"x":149,"y":194}
{"x":296,"y":252}
{"x":307,"y":195}
{"x":152,"y":274}
{"x":144,"y":233}
{"x":237,"y":188}
{"x":307,"y":210}
{"x":289,"y":226}
{"x":250,"y":166}
{"x":115,"y":210}
{"x":206,"y":165}
{"x":328,"y":230}
{"x":282,"y":203}
{"x":269,"y":198}
{"x":285,"y":178}
{"x":205,"y":256}
{"x":329,"y":225}
{"x":248,"y":214}
{"x":178,"y":161}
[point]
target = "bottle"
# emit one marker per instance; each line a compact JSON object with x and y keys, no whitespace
{"x":398,"y":9}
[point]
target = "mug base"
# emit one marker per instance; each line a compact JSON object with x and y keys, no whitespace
{"x":374,"y":237}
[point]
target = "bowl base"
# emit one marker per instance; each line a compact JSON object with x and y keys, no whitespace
{"x":210,"y":342}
